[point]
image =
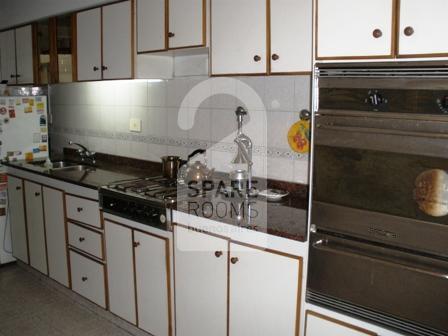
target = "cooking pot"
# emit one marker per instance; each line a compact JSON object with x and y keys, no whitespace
{"x":170,"y":166}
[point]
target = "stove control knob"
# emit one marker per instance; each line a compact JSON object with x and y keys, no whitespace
{"x":162,"y":219}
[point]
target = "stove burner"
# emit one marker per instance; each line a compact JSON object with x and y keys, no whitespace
{"x":153,"y":187}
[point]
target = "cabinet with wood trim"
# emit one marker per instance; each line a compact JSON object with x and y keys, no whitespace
{"x":254,"y":307}
{"x":16,"y":55}
{"x":170,"y":24}
{"x":354,"y":29}
{"x":261,"y":39}
{"x":138,"y":277}
{"x":422,"y":28}
{"x":321,"y":325}
{"x":36,"y":226}
{"x":105,"y":42}
{"x":16,"y":205}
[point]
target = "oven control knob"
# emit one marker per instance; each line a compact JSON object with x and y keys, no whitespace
{"x":162,"y":219}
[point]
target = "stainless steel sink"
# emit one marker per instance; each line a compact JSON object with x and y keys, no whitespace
{"x":62,"y":164}
{"x":73,"y":168}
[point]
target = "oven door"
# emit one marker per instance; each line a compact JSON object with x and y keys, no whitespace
{"x":409,"y":290}
{"x":382,"y":177}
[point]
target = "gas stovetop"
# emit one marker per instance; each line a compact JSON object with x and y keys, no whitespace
{"x":145,"y":200}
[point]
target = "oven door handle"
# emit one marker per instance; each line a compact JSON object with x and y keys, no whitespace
{"x":382,"y":131}
{"x":357,"y":251}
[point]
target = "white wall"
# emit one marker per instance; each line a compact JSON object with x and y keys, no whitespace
{"x":15,"y":12}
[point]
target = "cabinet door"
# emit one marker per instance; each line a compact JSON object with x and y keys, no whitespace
{"x":354,"y":28}
{"x":201,"y":283}
{"x":264,"y":292}
{"x":320,"y":325}
{"x":238,"y":41}
{"x":151,"y":271}
{"x":151,"y":28}
{"x":117,"y":41}
{"x":36,"y":226}
{"x":88,"y":37}
{"x":291,"y":35}
{"x":55,"y":234}
{"x":17,"y":219}
{"x":8,"y":56}
{"x":186,"y":23}
{"x":423,"y":28}
{"x":24,"y":55}
{"x":120,"y":271}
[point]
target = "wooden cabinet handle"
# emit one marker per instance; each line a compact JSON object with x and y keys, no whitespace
{"x":37,"y":194}
{"x":377,"y":33}
{"x":170,"y":34}
{"x":136,"y":244}
{"x":103,"y":67}
{"x":234,"y":260}
{"x":18,"y":188}
{"x":81,"y":239}
{"x":257,"y":58}
{"x":95,"y":68}
{"x":275,"y":57}
{"x":218,"y":254}
{"x":409,"y":31}
{"x":79,"y":209}
{"x":84,"y":279}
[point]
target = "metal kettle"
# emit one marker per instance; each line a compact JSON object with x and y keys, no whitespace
{"x":197,"y":171}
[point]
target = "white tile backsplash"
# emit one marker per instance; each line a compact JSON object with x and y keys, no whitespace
{"x":98,"y":113}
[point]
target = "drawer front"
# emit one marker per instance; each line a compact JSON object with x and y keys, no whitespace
{"x":83,"y":210}
{"x":85,"y":240}
{"x":88,"y":278}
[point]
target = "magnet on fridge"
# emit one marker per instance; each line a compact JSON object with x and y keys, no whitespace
{"x":3,"y":110}
{"x":28,"y":109}
{"x":11,"y":102}
{"x":44,"y":130}
{"x":36,"y":150}
{"x":18,"y":102}
{"x":31,"y":102}
{"x":43,"y":120}
{"x":29,"y":156}
{"x":44,"y":138}
{"x":43,"y":148}
{"x":25,"y":100}
{"x":38,"y":99}
{"x":12,"y":113}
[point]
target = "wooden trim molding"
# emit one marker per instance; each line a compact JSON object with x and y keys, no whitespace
{"x":335,"y":321}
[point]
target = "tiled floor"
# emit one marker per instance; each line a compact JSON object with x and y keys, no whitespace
{"x":28,"y":306}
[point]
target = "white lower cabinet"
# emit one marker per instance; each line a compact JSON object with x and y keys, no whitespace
{"x":17,"y":219}
{"x":55,"y":234}
{"x":88,"y":278}
{"x":146,"y":303}
{"x":260,"y":289}
{"x":120,"y":271}
{"x":321,"y":325}
{"x":36,"y":226}
{"x":201,"y":283}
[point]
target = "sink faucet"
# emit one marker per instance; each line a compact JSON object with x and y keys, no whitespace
{"x":84,"y":153}
{"x":244,"y":143}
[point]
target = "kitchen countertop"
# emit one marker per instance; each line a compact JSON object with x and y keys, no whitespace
{"x":286,"y":218}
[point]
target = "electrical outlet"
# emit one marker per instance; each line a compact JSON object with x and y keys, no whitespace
{"x":135,"y":125}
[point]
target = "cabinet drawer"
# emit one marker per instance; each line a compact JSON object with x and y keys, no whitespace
{"x":83,"y":210}
{"x":88,"y":278}
{"x":85,"y":240}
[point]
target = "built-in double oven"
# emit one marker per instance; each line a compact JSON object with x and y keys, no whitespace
{"x":379,"y":219}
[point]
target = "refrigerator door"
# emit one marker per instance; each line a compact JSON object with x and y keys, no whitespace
{"x":23,"y":127}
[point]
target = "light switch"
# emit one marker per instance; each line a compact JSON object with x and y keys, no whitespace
{"x":135,"y":125}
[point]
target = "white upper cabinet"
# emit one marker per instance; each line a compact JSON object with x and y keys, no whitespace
{"x":291,"y":35}
{"x":117,"y":41}
{"x":151,"y":25}
{"x":423,"y":28}
{"x":8,"y":56}
{"x":88,"y":35}
{"x":238,"y":37}
{"x":354,"y":28}
{"x":186,"y":23}
{"x":24,"y":55}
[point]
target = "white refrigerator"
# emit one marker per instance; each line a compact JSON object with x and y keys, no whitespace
{"x":23,"y":136}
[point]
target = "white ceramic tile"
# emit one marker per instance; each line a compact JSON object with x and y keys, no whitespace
{"x":138,"y":150}
{"x":122,"y":91}
{"x":223,"y":93}
{"x":255,"y":126}
{"x":121,"y":120}
{"x":251,"y":91}
{"x":201,"y":129}
{"x":302,"y":99}
{"x":259,"y":166}
{"x":123,"y":147}
{"x":301,"y":171}
{"x":178,"y":151}
{"x":157,"y":94}
{"x":278,"y":127}
{"x":223,"y":125}
{"x":177,"y":90}
{"x":279,"y":93}
{"x":139,"y":93}
{"x":101,"y":145}
{"x":107,"y":121}
{"x":140,"y":112}
{"x":221,"y":161}
{"x":280,"y":169}
{"x":200,"y":92}
{"x":157,"y":121}
{"x":172,"y":124}
{"x":155,"y":152}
